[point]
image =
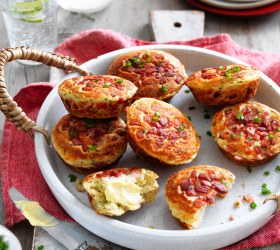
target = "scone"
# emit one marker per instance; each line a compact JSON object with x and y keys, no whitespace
{"x":225,"y":85}
{"x":115,"y":191}
{"x":87,"y":144}
{"x":247,"y":133}
{"x":156,"y":73}
{"x":96,"y":97}
{"x":161,"y":134}
{"x":189,"y":191}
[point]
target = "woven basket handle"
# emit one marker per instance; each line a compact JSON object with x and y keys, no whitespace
{"x":7,"y":105}
{"x":274,"y":197}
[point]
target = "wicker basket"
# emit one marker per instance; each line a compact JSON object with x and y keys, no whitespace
{"x":7,"y":105}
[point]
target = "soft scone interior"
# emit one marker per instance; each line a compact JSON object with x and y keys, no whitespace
{"x":114,"y":196}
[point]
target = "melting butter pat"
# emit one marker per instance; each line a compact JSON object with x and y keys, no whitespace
{"x":36,"y":215}
{"x":123,"y":191}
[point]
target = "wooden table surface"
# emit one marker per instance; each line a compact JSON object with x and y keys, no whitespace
{"x":132,"y":18}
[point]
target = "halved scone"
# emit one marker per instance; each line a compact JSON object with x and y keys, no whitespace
{"x":189,"y":191}
{"x":156,"y":73}
{"x":96,"y":97}
{"x":88,"y":144}
{"x":247,"y":133}
{"x":161,"y":134}
{"x":226,"y":85}
{"x":113,"y":192}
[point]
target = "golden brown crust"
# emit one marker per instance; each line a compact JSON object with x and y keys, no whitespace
{"x":87,"y":144}
{"x":97,"y":185}
{"x":190,"y":190}
{"x":162,"y":132}
{"x":225,"y":85}
{"x":96,"y":97}
{"x":247,"y":133}
{"x":156,"y":73}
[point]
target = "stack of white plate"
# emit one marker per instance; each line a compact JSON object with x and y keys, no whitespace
{"x":238,"y":4}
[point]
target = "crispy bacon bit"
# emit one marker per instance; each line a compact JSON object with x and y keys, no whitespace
{"x":236,"y":203}
{"x":204,"y":177}
{"x":202,"y":189}
{"x":248,"y":198}
{"x":220,"y":187}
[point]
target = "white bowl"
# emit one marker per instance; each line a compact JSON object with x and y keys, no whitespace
{"x":152,"y":226}
{"x":10,"y":239}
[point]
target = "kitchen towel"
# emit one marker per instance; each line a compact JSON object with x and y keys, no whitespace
{"x":19,"y":166}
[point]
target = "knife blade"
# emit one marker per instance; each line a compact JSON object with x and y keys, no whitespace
{"x":61,"y":231}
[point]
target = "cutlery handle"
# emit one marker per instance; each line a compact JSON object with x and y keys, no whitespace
{"x":7,"y":105}
{"x":85,"y":246}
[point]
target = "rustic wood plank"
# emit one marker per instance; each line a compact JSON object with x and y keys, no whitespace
{"x":176,"y":25}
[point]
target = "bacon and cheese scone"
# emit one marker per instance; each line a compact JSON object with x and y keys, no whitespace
{"x":247,"y":133}
{"x":156,"y":73}
{"x":161,"y":134}
{"x":225,"y":85}
{"x":88,"y":144}
{"x":115,"y":191}
{"x":189,"y":191}
{"x":96,"y":97}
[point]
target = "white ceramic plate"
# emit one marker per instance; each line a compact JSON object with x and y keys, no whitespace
{"x":152,"y":226}
{"x":86,"y":6}
{"x":10,"y":239}
{"x":238,"y":5}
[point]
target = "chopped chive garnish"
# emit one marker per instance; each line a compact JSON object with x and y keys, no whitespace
{"x":156,"y":116}
{"x":267,"y":173}
{"x":209,"y":133}
{"x":119,"y":80}
{"x":164,"y":88}
{"x":221,"y":67}
{"x":278,"y":129}
{"x":180,"y":129}
{"x":72,"y":177}
{"x":192,"y":108}
{"x":134,"y":59}
{"x":257,"y":119}
{"x":72,"y":133}
{"x":270,"y":136}
{"x":106,"y":85}
{"x":236,"y":69}
{"x":266,"y":191}
{"x":232,"y":136}
{"x":207,"y":116}
{"x":187,"y":91}
{"x":159,"y":60}
{"x":184,"y":125}
{"x":239,"y":116}
{"x":189,"y":118}
{"x":253,"y":205}
{"x":249,"y":169}
{"x":277,"y":168}
{"x":41,"y":247}
{"x":264,"y":185}
{"x":92,"y":147}
{"x":127,"y":64}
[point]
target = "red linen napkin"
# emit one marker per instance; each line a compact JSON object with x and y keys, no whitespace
{"x":18,"y":162}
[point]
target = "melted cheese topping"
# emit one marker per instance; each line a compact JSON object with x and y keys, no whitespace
{"x":36,"y":215}
{"x":124,"y":191}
